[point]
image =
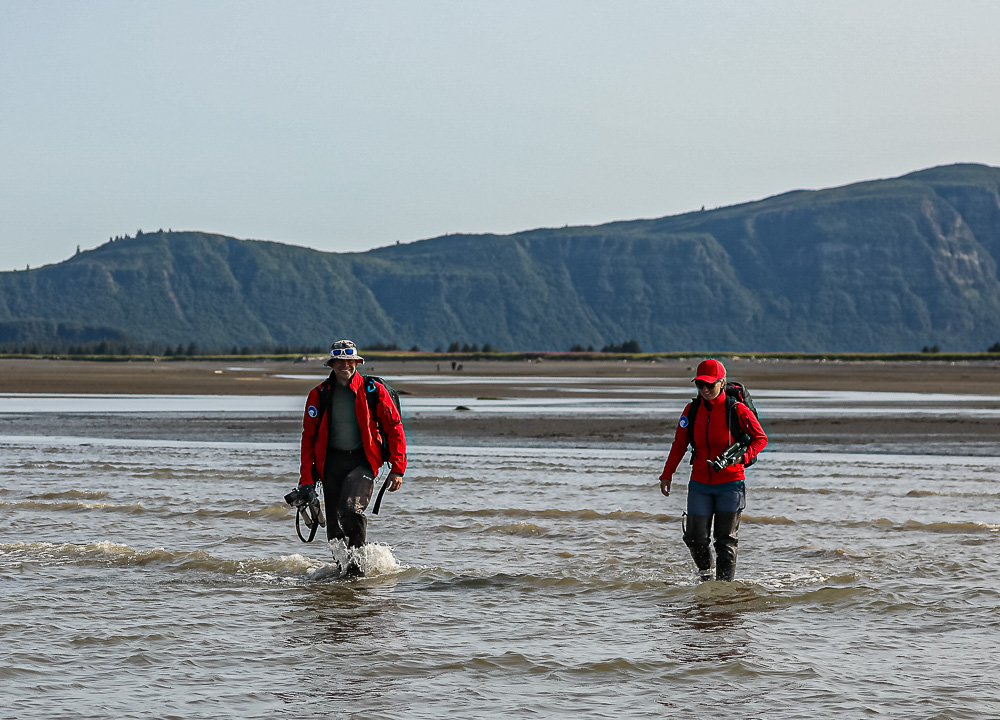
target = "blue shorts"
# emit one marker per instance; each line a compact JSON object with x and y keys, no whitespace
{"x":704,"y":499}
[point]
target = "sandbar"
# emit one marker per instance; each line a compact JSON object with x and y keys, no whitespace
{"x":432,"y":378}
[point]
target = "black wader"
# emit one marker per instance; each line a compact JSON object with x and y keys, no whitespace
{"x":696,"y":538}
{"x":348,"y":483}
{"x":726,"y":531}
{"x":727,"y":528}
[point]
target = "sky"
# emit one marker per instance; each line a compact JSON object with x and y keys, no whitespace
{"x":345,"y":126}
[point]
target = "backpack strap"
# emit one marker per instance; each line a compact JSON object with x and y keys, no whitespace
{"x":372,"y":395}
{"x":733,"y":420}
{"x":325,"y":396}
{"x":324,"y":401}
{"x":692,"y":414}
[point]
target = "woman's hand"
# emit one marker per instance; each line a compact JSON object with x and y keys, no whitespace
{"x":665,"y":486}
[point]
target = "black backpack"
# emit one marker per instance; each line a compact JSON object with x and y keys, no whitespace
{"x":371,"y":393}
{"x":735,"y":392}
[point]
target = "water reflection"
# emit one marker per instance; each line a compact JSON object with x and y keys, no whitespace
{"x":338,"y":612}
{"x":333,"y":624}
{"x":713,"y":626}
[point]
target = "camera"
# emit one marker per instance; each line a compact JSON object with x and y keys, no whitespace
{"x":307,"y":510}
{"x":302,"y":496}
{"x":732,"y":456}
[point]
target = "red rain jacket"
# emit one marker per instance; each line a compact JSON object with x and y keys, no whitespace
{"x":316,"y":429}
{"x":711,"y":439}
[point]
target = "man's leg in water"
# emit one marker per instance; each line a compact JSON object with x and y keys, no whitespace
{"x":355,"y":494}
{"x":335,"y":471}
{"x":331,"y":492}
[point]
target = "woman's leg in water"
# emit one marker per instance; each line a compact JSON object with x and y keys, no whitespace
{"x":700,"y":506}
{"x":729,"y":503}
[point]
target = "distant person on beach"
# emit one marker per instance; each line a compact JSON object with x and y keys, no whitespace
{"x":716,"y":494}
{"x":349,"y":421}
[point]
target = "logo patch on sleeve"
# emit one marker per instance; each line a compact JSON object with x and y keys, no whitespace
{"x":684,"y":421}
{"x":313,"y":412}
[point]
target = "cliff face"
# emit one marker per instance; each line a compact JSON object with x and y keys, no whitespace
{"x":889,"y":265}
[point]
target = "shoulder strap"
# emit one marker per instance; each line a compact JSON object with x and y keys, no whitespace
{"x":733,"y":419}
{"x":692,"y":414}
{"x":372,"y":395}
{"x":325,"y":393}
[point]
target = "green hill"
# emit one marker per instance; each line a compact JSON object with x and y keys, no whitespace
{"x":888,"y":265}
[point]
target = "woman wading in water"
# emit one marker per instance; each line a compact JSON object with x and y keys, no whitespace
{"x":711,"y":424}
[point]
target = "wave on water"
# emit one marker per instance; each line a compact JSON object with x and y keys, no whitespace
{"x":445,"y":479}
{"x":525,"y":529}
{"x":766,"y":520}
{"x":85,"y":467}
{"x":81,"y":494}
{"x":968,"y":526}
{"x":940,"y":493}
{"x":271,"y":512}
{"x":74,"y":506}
{"x":958,"y":527}
{"x":769,"y":592}
{"x":753,"y":597}
{"x":554,"y":514}
{"x":373,"y":560}
{"x":276,"y":512}
{"x":793,"y":489}
{"x":834,"y":553}
{"x":950,"y":527}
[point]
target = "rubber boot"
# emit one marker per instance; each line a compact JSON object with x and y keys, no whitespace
{"x":727,"y":528}
{"x":696,"y":537}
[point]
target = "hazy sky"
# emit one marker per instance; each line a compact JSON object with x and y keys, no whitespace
{"x":349,"y":125}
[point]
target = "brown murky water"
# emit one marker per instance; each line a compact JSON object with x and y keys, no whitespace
{"x":161,"y":578}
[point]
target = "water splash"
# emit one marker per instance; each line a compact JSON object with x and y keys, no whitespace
{"x":368,"y":560}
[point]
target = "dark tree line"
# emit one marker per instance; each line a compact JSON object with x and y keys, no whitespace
{"x":466,"y":348}
{"x":629,"y":346}
{"x":192,"y":349}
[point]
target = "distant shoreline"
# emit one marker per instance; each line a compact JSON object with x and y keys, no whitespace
{"x":242,"y":376}
{"x":417,"y":356}
{"x":957,"y":434}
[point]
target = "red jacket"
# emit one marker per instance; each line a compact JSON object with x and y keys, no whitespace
{"x":316,"y":429}
{"x":711,"y":439}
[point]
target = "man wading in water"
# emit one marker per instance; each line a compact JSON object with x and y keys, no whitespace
{"x":351,"y":427}
{"x":716,"y":493}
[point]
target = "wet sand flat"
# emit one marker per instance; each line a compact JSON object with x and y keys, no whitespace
{"x":956,"y":433}
{"x":275,"y":377}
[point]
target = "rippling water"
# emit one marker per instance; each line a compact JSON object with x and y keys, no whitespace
{"x":152,"y":578}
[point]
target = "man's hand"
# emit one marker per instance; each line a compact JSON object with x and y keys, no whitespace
{"x":665,"y":486}
{"x":395,"y":480}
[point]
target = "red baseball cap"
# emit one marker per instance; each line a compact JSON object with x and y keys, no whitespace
{"x":710,"y":371}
